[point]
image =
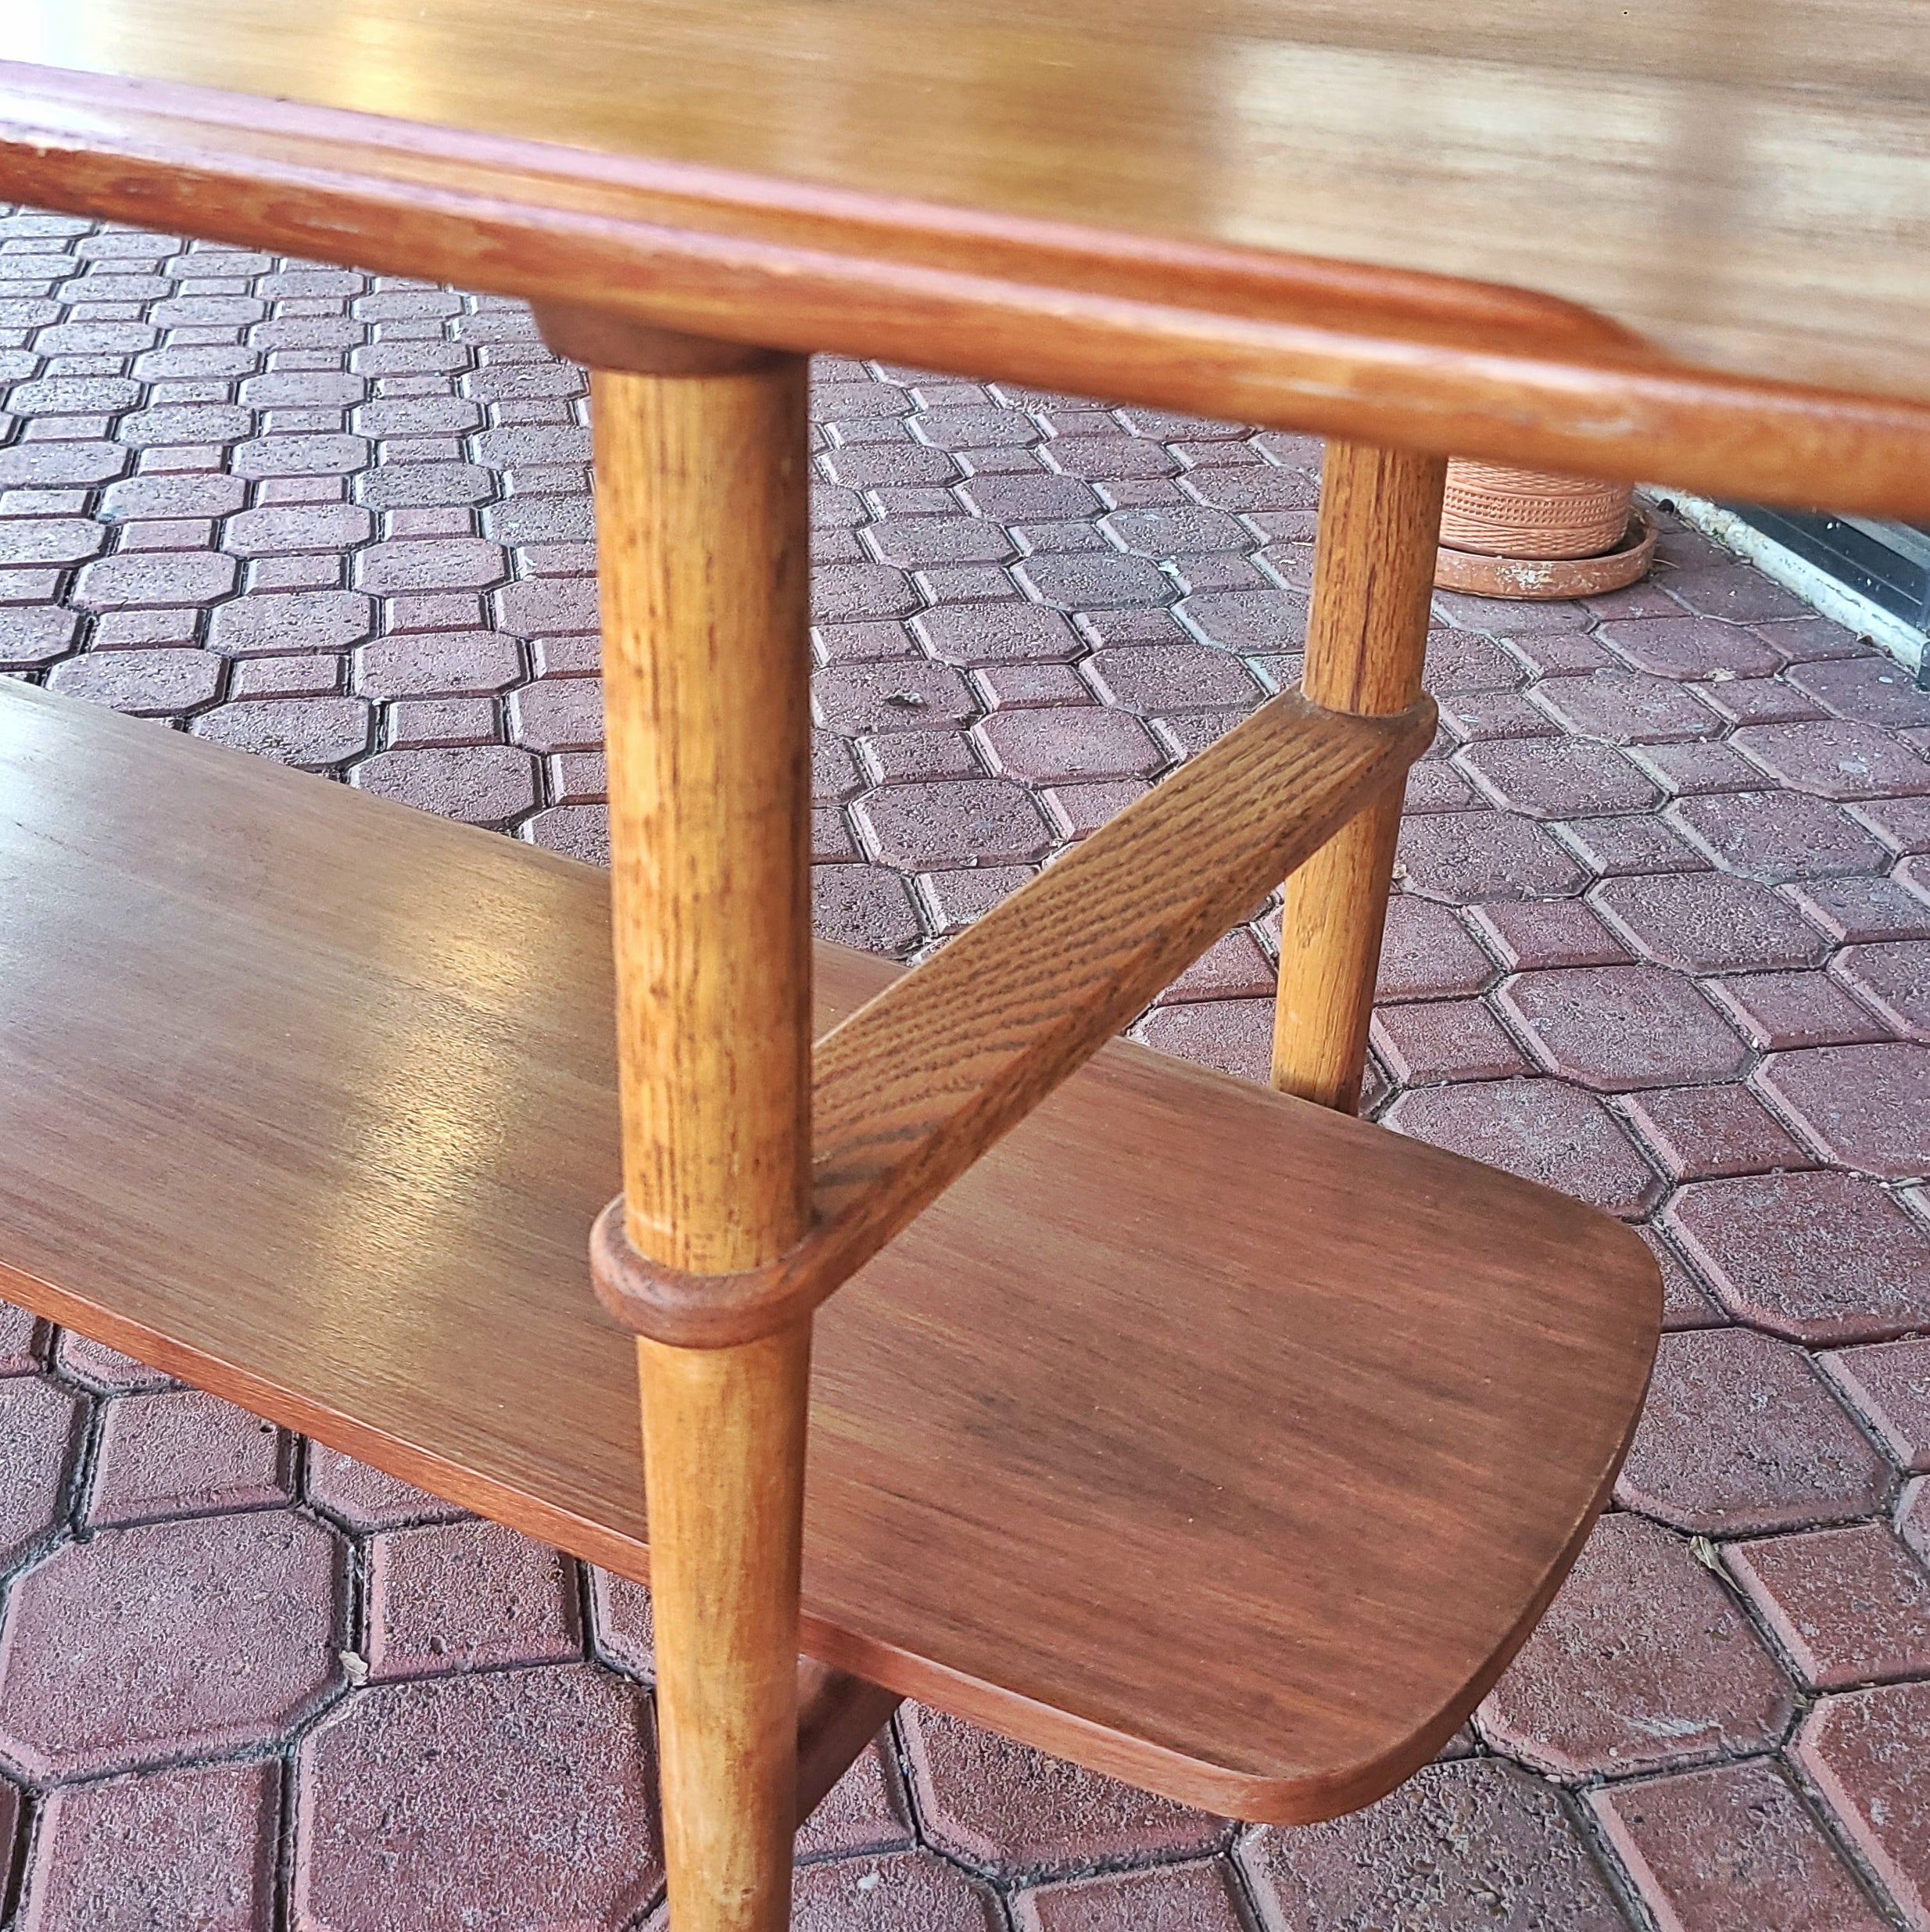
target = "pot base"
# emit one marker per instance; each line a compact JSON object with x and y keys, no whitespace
{"x":1476,"y":575}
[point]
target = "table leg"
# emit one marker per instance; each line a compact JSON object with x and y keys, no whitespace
{"x":705,"y":580}
{"x":1366,"y":636}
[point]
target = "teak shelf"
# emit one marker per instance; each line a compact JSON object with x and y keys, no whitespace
{"x":1195,"y":1430}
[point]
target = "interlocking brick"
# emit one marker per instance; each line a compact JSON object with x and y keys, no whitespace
{"x":1460,"y":857}
{"x":1246,"y":620}
{"x":145,"y":683}
{"x":1697,"y":768}
{"x":1558,"y":777}
{"x":1870,"y":688}
{"x":965,"y":822}
{"x":311,"y":732}
{"x":1478,"y":717}
{"x":1850,"y":911}
{"x":1689,"y":646}
{"x":1624,"y":707}
{"x":1062,"y":746}
{"x":179,"y":1848}
{"x":213,"y":1635}
{"x":1529,"y":934}
{"x":1628,"y":845}
{"x":1233,"y":1036}
{"x":467,"y":1596}
{"x":48,"y":539}
{"x":867,"y":906}
{"x":1889,"y":1386}
{"x":301,"y":623}
{"x":1776,"y":1248}
{"x":1545,"y":1130}
{"x":1163,"y":679}
{"x":314,"y":455}
{"x":1701,"y":1133}
{"x":1834,"y":759}
{"x":865,"y":1812}
{"x":1478,"y":1846}
{"x":1433,"y":1040}
{"x":1756,"y":701}
{"x":622,"y":1623}
{"x":433,"y":664}
{"x":1089,"y":580}
{"x":1731,"y":1849}
{"x":1708,"y":922}
{"x":1776,"y":835}
{"x":1775,"y":1010}
{"x":559,"y":714}
{"x":906,"y":1891}
{"x":1169,"y":1898}
{"x":1848,"y":1606}
{"x":516,"y":1798}
{"x":1865,"y":1107}
{"x":1008,"y":1810}
{"x":1642,"y":1663}
{"x":1869,"y":1754}
{"x":40,"y":1427}
{"x":1031,"y":687}
{"x":1892,"y":978}
{"x":1077,"y":811}
{"x":181,"y":1452}
{"x":895,"y":694}
{"x":489,"y":784}
{"x":150,"y":577}
{"x":1234,"y":967}
{"x":1462,"y":661}
{"x":1426,"y":953}
{"x":1740,"y":1436}
{"x":366,"y":1499}
{"x":1617,"y":1027}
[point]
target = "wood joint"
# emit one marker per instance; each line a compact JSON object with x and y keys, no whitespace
{"x":911,"y":1089}
{"x":599,"y":339}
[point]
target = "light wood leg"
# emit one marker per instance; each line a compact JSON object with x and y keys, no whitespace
{"x":704,"y":583}
{"x":1366,"y":637}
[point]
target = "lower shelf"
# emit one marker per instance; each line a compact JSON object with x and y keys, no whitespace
{"x":1224,"y":1444}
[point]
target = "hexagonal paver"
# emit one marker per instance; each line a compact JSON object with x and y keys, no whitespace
{"x":1616,"y":1027}
{"x":1427,"y":953}
{"x":1834,"y":759}
{"x":1784,"y":1010}
{"x":39,"y":1436}
{"x":623,"y":1622}
{"x":1889,"y":1386}
{"x":146,"y":1645}
{"x":1007,"y":1809}
{"x":986,"y":821}
{"x":1558,"y":777}
{"x":1732,"y":1849}
{"x":1740,"y":1435}
{"x":366,"y":1499}
{"x":1892,"y":979}
{"x":1869,"y":1755}
{"x":1624,"y":707}
{"x":1689,"y":648}
{"x":1478,"y":1846}
{"x":181,"y":1452}
{"x":1699,"y":1133}
{"x":1820,"y":1257}
{"x":1459,"y":856}
{"x":1707,"y":922}
{"x":1642,"y":1662}
{"x":1068,"y":743}
{"x":1848,"y":1606}
{"x":194,"y":1848}
{"x":866,"y":1811}
{"x":1866,"y":1107}
{"x":909,"y":1891}
{"x":1543,"y":1129}
{"x":1170,"y":1898}
{"x":895,"y":694}
{"x":467,"y":1596}
{"x":1776,"y":835}
{"x":509,"y":1801}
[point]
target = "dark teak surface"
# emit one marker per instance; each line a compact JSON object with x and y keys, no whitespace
{"x":310,"y":1098}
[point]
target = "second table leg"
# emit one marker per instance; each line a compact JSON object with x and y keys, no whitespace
{"x":1366,"y":638}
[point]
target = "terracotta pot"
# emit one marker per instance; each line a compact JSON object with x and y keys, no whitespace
{"x":1475,"y":574}
{"x":1497,"y":511}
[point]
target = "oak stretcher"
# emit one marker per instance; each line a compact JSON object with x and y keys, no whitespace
{"x":1200,"y":1432}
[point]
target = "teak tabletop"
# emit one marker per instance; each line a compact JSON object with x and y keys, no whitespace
{"x":1683,"y":239}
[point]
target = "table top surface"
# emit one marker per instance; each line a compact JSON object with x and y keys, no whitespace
{"x":1743,"y":187}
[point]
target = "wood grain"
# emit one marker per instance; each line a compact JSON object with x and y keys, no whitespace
{"x":703,"y":574}
{"x":838,"y":1714}
{"x":1221,"y":1443}
{"x":1212,"y":213}
{"x":723,"y":1433}
{"x":907,"y":1093}
{"x":1373,"y":585}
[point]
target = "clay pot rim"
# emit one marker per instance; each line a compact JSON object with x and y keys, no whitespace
{"x":1475,"y":574}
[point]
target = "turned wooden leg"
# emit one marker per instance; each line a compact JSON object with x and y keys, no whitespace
{"x":1366,"y":636}
{"x":703,"y":525}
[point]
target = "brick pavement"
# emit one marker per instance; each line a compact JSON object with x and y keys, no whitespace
{"x":1663,"y":940}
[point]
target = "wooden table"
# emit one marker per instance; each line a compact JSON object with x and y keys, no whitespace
{"x":1685,"y":243}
